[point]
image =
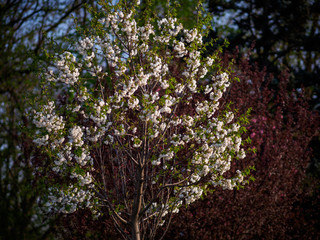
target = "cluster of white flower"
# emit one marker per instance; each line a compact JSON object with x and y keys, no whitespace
{"x":180,"y":48}
{"x":133,"y":103}
{"x":66,"y":201}
{"x":85,"y":44}
{"x":145,"y":32}
{"x":162,"y":210}
{"x":42,"y":141}
{"x":68,"y":72}
{"x":76,"y":136}
{"x":229,"y":183}
{"x":192,"y":35}
{"x":101,"y":112}
{"x":48,"y":119}
{"x":70,"y":201}
{"x":190,"y":194}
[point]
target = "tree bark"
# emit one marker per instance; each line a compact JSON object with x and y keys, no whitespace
{"x":136,"y":234}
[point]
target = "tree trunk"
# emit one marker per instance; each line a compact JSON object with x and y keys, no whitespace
{"x":135,"y":229}
{"x":136,"y":234}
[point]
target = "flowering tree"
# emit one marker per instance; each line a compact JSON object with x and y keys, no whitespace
{"x":135,"y":130}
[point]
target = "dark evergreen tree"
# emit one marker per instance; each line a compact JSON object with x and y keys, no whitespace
{"x":285,"y":35}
